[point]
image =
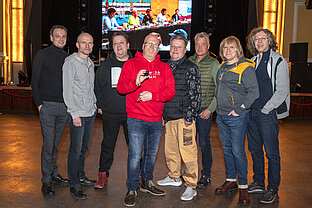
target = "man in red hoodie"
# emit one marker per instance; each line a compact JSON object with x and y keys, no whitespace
{"x":148,"y":83}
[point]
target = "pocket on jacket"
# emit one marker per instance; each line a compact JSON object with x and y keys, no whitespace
{"x":282,"y":108}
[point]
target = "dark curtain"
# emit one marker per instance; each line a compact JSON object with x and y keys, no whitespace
{"x":60,"y":12}
{"x":253,"y":20}
{"x":233,"y":18}
{"x":95,"y":27}
{"x":32,"y":28}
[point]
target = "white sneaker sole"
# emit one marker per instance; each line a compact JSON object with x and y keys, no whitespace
{"x":169,"y":183}
{"x":148,"y":191}
{"x":270,"y":202}
{"x":189,"y":199}
{"x":256,"y":191}
{"x":129,"y":205}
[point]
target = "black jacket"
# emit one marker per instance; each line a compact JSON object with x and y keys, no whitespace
{"x":186,"y":102}
{"x":108,"y":99}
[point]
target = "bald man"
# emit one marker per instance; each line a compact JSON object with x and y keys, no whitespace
{"x":147,"y":83}
{"x":79,"y":97}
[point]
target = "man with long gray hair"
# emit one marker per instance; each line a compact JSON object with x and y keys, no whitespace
{"x":273,"y":103}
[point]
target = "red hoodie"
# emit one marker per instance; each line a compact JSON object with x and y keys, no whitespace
{"x":160,"y":83}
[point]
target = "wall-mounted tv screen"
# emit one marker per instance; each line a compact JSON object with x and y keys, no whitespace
{"x":140,"y":17}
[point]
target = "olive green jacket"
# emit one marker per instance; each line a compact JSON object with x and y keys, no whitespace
{"x":208,"y":67}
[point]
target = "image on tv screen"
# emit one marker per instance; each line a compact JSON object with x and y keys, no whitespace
{"x":138,"y":18}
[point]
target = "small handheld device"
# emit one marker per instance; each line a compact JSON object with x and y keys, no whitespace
{"x":146,"y":73}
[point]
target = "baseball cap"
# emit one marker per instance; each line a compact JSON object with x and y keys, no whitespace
{"x":179,"y":32}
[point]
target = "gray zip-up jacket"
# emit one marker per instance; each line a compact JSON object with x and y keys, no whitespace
{"x":78,"y":86}
{"x":237,"y":88}
{"x":280,"y":83}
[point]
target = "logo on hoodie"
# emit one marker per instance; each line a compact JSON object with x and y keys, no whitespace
{"x":154,"y":74}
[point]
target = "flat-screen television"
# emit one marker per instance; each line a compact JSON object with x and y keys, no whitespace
{"x":162,"y":22}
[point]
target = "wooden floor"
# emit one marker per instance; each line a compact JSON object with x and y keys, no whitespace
{"x":20,"y":174}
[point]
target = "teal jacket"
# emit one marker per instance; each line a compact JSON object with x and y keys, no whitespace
{"x":208,"y":67}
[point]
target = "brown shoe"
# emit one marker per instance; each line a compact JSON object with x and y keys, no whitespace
{"x":243,"y":196}
{"x":226,"y":187}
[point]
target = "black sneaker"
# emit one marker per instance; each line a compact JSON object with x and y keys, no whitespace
{"x":86,"y":181}
{"x":255,"y":188}
{"x":47,"y":189}
{"x":77,"y":192}
{"x":269,"y":197}
{"x":203,"y":182}
{"x":129,"y":199}
{"x":149,"y":187}
{"x":59,"y":180}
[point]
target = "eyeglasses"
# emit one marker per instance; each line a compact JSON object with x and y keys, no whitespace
{"x":257,"y":39}
{"x":151,"y":44}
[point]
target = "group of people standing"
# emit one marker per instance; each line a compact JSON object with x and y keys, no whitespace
{"x":143,"y":94}
{"x":109,"y":21}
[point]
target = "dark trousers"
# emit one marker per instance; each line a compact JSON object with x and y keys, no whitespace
{"x":79,"y":145}
{"x":203,"y":127}
{"x":111,"y":126}
{"x":53,"y":118}
{"x":262,"y":131}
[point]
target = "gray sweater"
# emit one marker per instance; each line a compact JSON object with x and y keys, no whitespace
{"x":78,"y":86}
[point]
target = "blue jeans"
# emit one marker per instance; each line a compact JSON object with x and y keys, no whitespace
{"x":79,"y":145}
{"x":262,"y":131}
{"x":142,"y":134}
{"x":232,"y":130}
{"x":203,"y":127}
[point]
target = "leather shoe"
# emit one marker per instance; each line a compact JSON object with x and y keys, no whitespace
{"x":77,"y":192}
{"x":203,"y":182}
{"x":47,"y":189}
{"x":149,"y":187}
{"x":86,"y":181}
{"x":227,"y":187}
{"x":59,"y":180}
{"x":243,"y":196}
{"x":129,"y":200}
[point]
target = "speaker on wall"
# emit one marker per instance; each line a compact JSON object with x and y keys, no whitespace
{"x":298,"y":52}
{"x":301,"y":77}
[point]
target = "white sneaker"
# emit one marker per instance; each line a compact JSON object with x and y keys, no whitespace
{"x":169,"y":182}
{"x":188,"y":194}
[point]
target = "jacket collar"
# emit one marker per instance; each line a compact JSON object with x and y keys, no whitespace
{"x":82,"y":60}
{"x":205,"y":58}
